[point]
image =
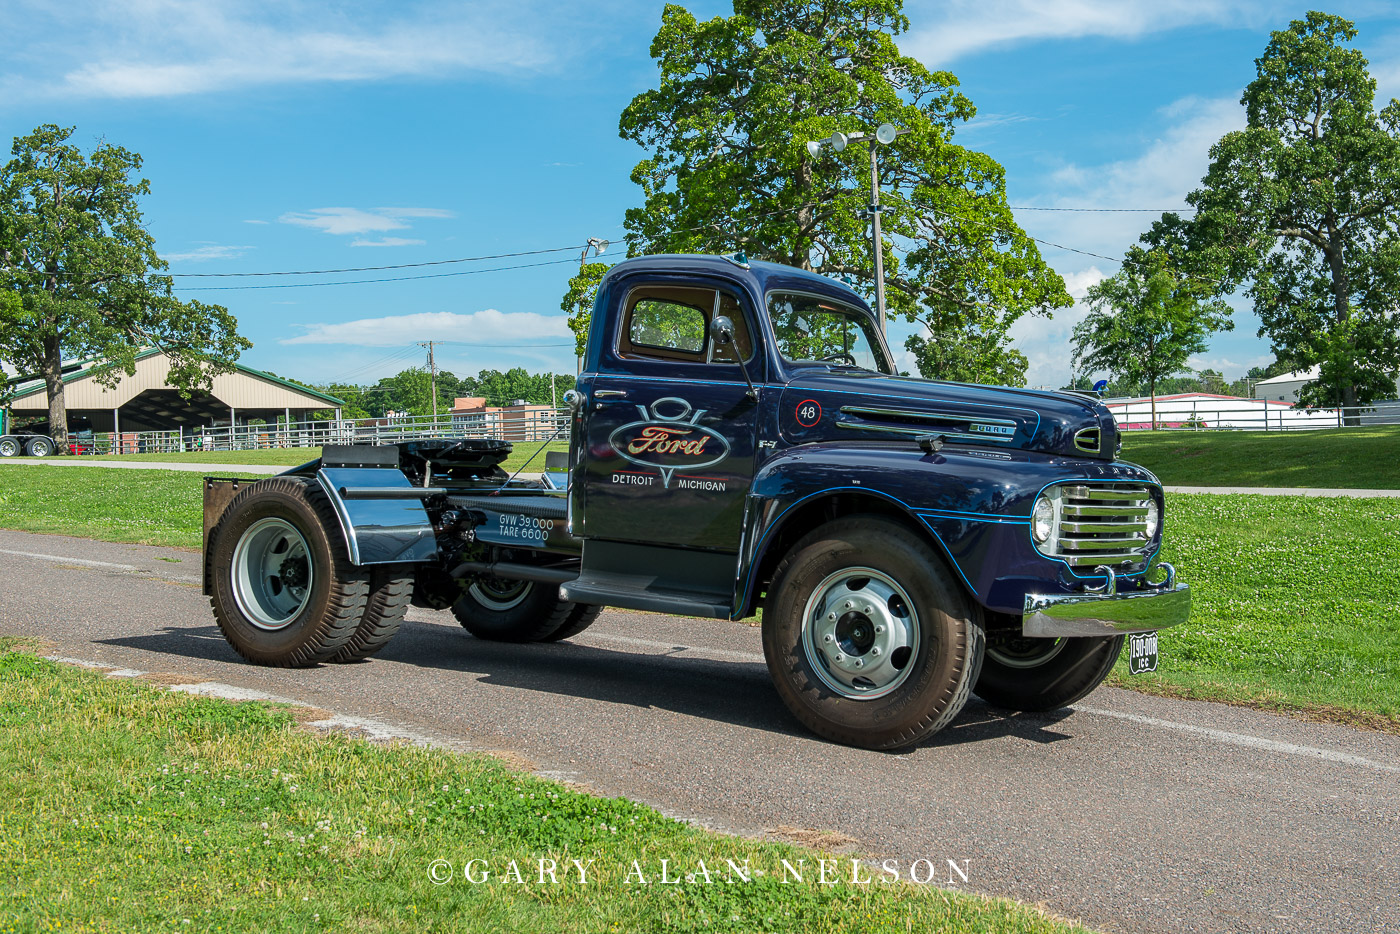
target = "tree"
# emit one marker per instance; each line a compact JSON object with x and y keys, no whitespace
{"x":83,"y":276}
{"x":728,"y":168}
{"x":1146,"y":321}
{"x":1303,"y":204}
{"x":578,"y":301}
{"x":979,"y":353}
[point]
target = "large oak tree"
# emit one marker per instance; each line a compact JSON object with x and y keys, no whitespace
{"x":728,"y":168}
{"x":1303,"y":206}
{"x":80,"y":277}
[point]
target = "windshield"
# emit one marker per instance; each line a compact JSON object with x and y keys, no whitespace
{"x":820,"y":330}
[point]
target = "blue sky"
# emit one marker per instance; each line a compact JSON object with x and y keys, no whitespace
{"x":281,"y":135}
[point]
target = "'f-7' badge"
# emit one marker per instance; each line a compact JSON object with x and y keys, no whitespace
{"x":669,"y":438}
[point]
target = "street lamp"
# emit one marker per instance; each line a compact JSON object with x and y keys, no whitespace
{"x":597,"y":246}
{"x":837,"y":142}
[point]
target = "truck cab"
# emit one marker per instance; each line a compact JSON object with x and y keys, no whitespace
{"x":740,"y":441}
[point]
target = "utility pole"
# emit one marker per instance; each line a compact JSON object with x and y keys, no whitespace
{"x":879,"y":244}
{"x":432,"y":371}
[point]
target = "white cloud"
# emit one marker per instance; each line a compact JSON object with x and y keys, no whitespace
{"x":387,"y":241}
{"x":344,"y":221}
{"x":1169,"y":166}
{"x":1387,"y":75}
{"x":255,"y":222}
{"x":204,"y":253}
{"x":950,"y":29}
{"x":1046,"y":341}
{"x":488,"y":326}
{"x":161,"y":48}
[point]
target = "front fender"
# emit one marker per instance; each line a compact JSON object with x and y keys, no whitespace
{"x":973,"y":505}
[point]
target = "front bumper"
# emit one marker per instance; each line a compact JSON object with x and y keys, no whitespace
{"x":1107,"y":612}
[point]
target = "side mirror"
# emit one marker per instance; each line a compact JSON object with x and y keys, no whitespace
{"x":722,"y":333}
{"x":722,"y":330}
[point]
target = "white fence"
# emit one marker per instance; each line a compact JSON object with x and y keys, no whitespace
{"x":1245,"y":415}
{"x":510,"y":426}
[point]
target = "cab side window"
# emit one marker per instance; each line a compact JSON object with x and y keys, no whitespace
{"x":673,"y":323}
{"x":661,"y":324}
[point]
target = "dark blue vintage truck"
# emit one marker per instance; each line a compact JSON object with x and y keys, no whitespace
{"x":740,"y":442}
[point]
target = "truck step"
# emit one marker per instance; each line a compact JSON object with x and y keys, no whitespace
{"x":633,"y":592}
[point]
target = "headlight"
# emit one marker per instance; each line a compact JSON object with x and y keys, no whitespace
{"x":1043,"y":519}
{"x":1154,"y":519}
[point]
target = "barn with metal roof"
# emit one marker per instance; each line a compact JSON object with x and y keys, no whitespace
{"x":146,"y":402}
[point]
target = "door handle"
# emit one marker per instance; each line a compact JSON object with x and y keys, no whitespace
{"x":609,"y":393}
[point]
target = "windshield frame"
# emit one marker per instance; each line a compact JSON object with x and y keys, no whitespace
{"x":879,"y":346}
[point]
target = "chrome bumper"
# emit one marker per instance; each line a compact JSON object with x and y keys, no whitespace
{"x":1107,"y":612}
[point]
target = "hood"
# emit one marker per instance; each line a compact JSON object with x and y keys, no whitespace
{"x":837,"y":404}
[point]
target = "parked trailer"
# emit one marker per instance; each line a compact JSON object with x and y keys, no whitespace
{"x":13,"y":444}
{"x":739,"y":440}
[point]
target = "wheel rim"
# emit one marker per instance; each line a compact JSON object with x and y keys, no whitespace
{"x":272,"y":573}
{"x":860,"y":633}
{"x":1017,"y":652}
{"x":8,"y":449}
{"x":500,"y":595}
{"x":40,"y":449}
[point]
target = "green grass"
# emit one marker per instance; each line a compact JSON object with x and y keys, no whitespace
{"x":148,"y":507}
{"x":1341,"y":458}
{"x":1294,"y":606}
{"x":126,"y":808}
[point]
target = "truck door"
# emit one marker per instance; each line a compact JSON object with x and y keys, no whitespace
{"x":670,"y":424}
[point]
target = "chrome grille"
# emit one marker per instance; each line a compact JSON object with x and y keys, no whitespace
{"x":1099,"y":523}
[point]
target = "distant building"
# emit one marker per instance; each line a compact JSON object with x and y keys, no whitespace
{"x":145,"y":401}
{"x":1284,"y":388}
{"x":519,"y":421}
{"x":1210,"y":410}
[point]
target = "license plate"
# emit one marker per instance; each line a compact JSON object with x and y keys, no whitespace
{"x":1142,"y":652}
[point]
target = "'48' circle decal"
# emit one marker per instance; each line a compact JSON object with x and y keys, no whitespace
{"x":809,"y":412}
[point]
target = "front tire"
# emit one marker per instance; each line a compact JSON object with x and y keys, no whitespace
{"x":868,"y":638}
{"x":9,"y":447}
{"x":1044,"y":674}
{"x":284,"y":591}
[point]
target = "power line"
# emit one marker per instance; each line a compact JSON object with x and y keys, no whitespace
{"x":436,"y":275}
{"x":1022,"y":207}
{"x":326,"y":272}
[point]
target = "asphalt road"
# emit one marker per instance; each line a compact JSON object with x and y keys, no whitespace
{"x":1130,"y":813}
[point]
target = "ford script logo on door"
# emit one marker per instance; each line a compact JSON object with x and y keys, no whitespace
{"x":668,"y":438}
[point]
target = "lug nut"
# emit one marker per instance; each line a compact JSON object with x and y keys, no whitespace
{"x":875,"y":651}
{"x":869,"y":610}
{"x":849,"y":604}
{"x":831,"y":616}
{"x":879,"y":629}
{"x":840,"y":657}
{"x":860,"y":663}
{"x":828,"y":638}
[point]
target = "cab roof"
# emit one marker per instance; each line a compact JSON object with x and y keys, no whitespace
{"x":760,"y":276}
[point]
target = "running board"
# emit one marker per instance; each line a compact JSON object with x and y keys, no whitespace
{"x":654,"y":578}
{"x":631,"y":592}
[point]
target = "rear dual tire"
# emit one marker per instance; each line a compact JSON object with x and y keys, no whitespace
{"x":284,"y":591}
{"x":520,"y":611}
